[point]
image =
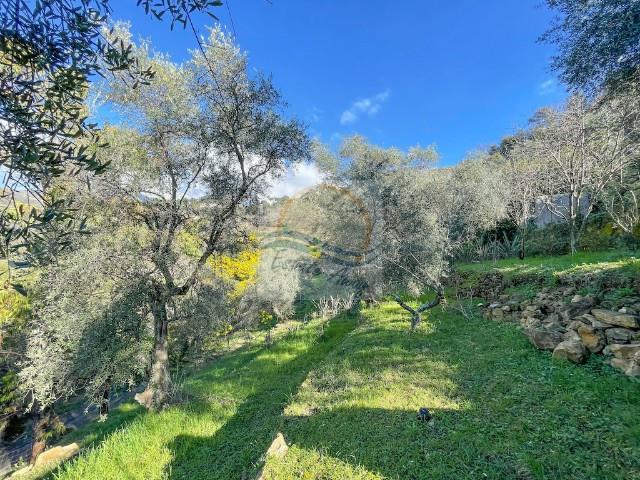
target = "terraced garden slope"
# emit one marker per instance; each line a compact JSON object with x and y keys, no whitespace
{"x":345,"y":396}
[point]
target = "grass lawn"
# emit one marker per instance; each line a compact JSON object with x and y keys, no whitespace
{"x":234,"y":409}
{"x":346,"y":396}
{"x":501,"y":409}
{"x":581,"y":262}
{"x":599,"y":271}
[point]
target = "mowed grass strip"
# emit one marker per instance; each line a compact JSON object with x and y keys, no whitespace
{"x":547,"y":267}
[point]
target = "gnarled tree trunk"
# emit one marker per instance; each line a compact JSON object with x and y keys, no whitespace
{"x":160,"y":379}
{"x":41,"y":424}
{"x":104,"y":401}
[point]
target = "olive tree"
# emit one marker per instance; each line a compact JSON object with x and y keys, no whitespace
{"x":451,"y":206}
{"x":277,"y":285}
{"x":598,"y":42}
{"x":196,"y":149}
{"x":363,"y":170}
{"x":415,"y":247}
{"x":87,"y":332}
{"x":420,"y":215}
{"x":272,"y":295}
{"x":49,"y":53}
{"x":91,"y":331}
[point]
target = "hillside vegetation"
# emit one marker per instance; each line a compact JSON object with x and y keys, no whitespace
{"x":345,"y":395}
{"x":195,"y":285}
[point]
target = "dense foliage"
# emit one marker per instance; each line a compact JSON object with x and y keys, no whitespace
{"x":202,"y":140}
{"x":421,"y":216}
{"x":49,"y":52}
{"x":598,"y":42}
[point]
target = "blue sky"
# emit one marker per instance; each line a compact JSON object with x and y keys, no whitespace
{"x":460,"y":74}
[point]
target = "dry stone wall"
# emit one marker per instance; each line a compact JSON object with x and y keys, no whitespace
{"x":574,"y":326}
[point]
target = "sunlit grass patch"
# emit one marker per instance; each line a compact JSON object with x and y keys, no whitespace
{"x":501,"y":409}
{"x":565,"y":264}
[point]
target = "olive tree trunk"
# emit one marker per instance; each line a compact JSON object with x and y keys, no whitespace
{"x":160,"y":378}
{"x":41,"y":424}
{"x":104,"y":401}
{"x":416,"y":313}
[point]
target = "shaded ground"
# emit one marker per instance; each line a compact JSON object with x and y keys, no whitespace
{"x":18,"y":448}
{"x":232,"y":418}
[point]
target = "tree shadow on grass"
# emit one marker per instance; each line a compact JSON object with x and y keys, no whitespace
{"x":127,"y":412}
{"x":391,"y":443}
{"x":235,"y":450}
{"x":92,"y":434}
{"x":508,"y":411}
{"x":371,"y":438}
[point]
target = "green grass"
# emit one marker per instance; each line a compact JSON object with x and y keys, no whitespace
{"x":222,"y":432}
{"x":345,"y":396}
{"x":501,"y":409}
{"x":605,"y":274}
{"x":581,"y":262}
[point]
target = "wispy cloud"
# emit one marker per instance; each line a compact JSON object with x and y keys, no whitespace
{"x":335,"y":137}
{"x":547,"y":87}
{"x":366,"y":106}
{"x":314,"y":115}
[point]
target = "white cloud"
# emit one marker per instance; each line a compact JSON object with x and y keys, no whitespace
{"x":547,"y":87}
{"x":365,"y":106}
{"x":297,"y":178}
{"x":348,"y":117}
